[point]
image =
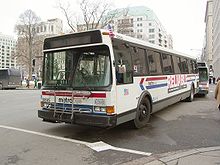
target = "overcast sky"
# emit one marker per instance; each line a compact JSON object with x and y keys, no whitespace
{"x":183,"y":19}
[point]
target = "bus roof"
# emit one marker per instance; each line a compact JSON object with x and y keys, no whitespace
{"x":148,"y":44}
{"x":125,"y":38}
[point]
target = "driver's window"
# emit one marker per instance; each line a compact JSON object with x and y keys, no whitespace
{"x":122,"y":62}
{"x":59,"y":66}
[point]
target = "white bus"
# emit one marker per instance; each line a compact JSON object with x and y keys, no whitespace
{"x":103,"y":79}
{"x":203,"y":78}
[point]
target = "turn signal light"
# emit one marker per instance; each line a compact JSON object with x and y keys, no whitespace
{"x":110,"y":110}
{"x":105,"y":33}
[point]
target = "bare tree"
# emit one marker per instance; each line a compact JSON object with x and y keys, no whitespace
{"x":65,"y":9}
{"x":26,"y":29}
{"x":93,"y":15}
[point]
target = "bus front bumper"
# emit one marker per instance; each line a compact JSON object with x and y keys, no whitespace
{"x":79,"y":118}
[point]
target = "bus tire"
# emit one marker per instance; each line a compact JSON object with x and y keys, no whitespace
{"x":191,"y":95}
{"x":143,"y":113}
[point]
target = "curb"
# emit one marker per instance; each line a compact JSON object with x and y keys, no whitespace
{"x":172,"y":156}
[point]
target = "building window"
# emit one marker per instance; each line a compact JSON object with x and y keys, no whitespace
{"x":139,"y":36}
{"x":151,"y":30}
{"x":51,"y":28}
{"x":150,"y":24}
{"x":151,"y":36}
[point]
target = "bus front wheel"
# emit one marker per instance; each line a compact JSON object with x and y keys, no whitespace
{"x":143,"y":113}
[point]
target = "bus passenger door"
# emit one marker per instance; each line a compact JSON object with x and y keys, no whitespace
{"x":125,"y":99}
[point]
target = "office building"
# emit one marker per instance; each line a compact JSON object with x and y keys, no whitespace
{"x":142,"y":23}
{"x":7,"y":49}
{"x":216,"y":38}
{"x":208,"y":45}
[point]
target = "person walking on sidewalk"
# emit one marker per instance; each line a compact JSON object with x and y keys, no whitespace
{"x":217,"y":94}
{"x":27,"y":83}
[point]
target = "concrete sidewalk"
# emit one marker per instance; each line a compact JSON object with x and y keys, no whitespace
{"x":197,"y":156}
{"x":200,"y":156}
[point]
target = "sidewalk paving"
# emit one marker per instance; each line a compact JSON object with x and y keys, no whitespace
{"x":200,"y":156}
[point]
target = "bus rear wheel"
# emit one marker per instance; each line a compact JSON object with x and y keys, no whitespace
{"x":143,"y":113}
{"x":191,"y":96}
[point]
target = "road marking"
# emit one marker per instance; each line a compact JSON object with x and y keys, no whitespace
{"x":97,"y":146}
{"x":101,"y":146}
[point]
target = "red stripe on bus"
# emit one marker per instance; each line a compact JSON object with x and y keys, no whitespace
{"x":69,"y":94}
{"x":155,"y":78}
{"x":142,"y":80}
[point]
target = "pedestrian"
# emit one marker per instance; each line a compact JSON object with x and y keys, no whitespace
{"x":217,"y":94}
{"x":35,"y":83}
{"x":27,"y":83}
{"x":213,"y":80}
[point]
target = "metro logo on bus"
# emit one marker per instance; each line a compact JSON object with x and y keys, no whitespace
{"x":176,"y":82}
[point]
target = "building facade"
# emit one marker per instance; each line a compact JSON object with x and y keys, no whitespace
{"x":208,"y":46}
{"x":40,"y":31}
{"x":142,"y":23}
{"x":216,"y":37}
{"x":7,"y":49}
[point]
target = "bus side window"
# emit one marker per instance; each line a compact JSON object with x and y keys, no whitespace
{"x":176,"y":64}
{"x":154,"y":62}
{"x":184,"y":65}
{"x":167,"y":64}
{"x":139,"y":61}
{"x":123,"y":63}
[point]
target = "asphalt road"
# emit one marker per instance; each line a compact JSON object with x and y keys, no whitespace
{"x":25,"y":139}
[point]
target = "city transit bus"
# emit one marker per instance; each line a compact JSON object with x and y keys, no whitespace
{"x":203,"y":78}
{"x":104,"y":79}
{"x":10,"y":78}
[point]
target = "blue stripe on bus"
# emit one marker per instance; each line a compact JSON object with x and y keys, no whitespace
{"x":142,"y":87}
{"x":156,"y":86}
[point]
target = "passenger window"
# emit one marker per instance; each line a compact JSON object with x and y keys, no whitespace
{"x":154,"y":62}
{"x":176,"y":65}
{"x":139,"y":61}
{"x":193,"y":67}
{"x":123,"y":62}
{"x":184,"y":65}
{"x":167,"y":64}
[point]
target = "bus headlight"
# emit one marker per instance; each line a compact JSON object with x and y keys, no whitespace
{"x":100,"y":109}
{"x":108,"y":109}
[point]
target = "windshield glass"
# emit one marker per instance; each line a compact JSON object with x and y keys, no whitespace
{"x":79,"y":67}
{"x":203,"y":74}
{"x":3,"y":74}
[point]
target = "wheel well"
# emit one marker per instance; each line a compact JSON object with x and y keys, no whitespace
{"x":148,"y":96}
{"x":193,"y":86}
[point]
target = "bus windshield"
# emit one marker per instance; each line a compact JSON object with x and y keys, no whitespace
{"x":77,"y":68}
{"x":3,"y":74}
{"x":203,"y":74}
